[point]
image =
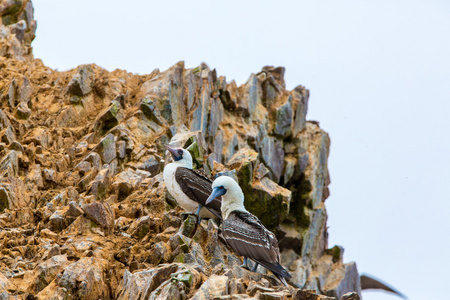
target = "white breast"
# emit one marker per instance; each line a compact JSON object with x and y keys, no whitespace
{"x":176,"y":192}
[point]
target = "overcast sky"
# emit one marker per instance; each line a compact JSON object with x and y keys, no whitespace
{"x":379,"y":76}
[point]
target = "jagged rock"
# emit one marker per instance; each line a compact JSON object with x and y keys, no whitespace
{"x":9,"y":165}
{"x":266,"y":199}
{"x":150,"y":111}
{"x":350,"y":296}
{"x":167,"y":93}
{"x":199,"y":120}
{"x":56,"y":221}
{"x":272,"y":154}
{"x":283,"y":118}
{"x":253,"y":288}
{"x":273,"y":296}
{"x":160,"y":253}
{"x":101,"y":183}
{"x":125,"y":183}
{"x":310,"y":295}
{"x":51,"y":251}
{"x":13,"y":194}
{"x":100,"y":213}
{"x":143,"y":284}
{"x":215,"y":286}
{"x":16,"y":146}
{"x":301,"y":96}
{"x":46,"y":271}
{"x":150,"y":164}
{"x":5,"y":286}
{"x":316,"y":143}
{"x":7,"y":135}
{"x":74,"y":210}
{"x":49,"y":175}
{"x":315,"y":242}
{"x":38,"y":136}
{"x":342,"y":280}
{"x":48,"y":234}
{"x":107,"y":119}
{"x":140,"y":227}
{"x":107,"y":148}
{"x":86,"y":278}
{"x":23,"y":111}
{"x":81,"y":83}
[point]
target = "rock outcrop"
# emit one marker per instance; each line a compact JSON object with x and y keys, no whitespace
{"x":84,"y":212}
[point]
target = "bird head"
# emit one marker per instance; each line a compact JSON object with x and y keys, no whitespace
{"x":230,"y":191}
{"x":181,"y":156}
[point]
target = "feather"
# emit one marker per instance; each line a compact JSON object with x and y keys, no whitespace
{"x":248,"y":237}
{"x":197,"y":187}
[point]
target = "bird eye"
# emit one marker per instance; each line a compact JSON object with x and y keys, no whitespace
{"x":180,"y":152}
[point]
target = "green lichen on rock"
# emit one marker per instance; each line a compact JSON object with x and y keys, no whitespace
{"x":264,"y":198}
{"x":10,"y":12}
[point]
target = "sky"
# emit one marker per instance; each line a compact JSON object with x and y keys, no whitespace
{"x":379,"y":77}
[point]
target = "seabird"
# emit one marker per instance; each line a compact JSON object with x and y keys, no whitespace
{"x":244,"y":232}
{"x":368,"y":282}
{"x":190,"y":187}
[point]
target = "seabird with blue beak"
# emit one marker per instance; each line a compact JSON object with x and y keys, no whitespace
{"x":190,"y":187}
{"x":244,"y":232}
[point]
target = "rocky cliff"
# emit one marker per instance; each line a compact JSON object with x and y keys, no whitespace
{"x":84,"y":212}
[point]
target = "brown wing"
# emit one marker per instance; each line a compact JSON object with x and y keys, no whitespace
{"x":248,"y":237}
{"x":198,"y":188}
{"x":368,"y":282}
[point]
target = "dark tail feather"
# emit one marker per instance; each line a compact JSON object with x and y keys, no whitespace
{"x":276,"y":269}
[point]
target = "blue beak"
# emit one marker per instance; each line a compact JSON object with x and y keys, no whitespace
{"x":216,"y":192}
{"x":175,"y":154}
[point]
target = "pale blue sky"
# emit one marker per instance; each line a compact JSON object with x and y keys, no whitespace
{"x":379,"y":76}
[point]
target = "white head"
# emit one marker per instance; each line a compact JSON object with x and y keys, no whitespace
{"x":232,"y":195}
{"x":181,"y":157}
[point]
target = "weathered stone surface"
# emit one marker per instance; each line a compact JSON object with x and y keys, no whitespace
{"x":5,"y":286}
{"x":283,"y":118}
{"x":126,"y":182}
{"x":23,"y":111}
{"x":86,"y":278}
{"x":107,"y":119}
{"x":215,"y":286}
{"x":310,"y":295}
{"x":7,"y":135}
{"x":81,"y":82}
{"x":100,"y":213}
{"x":141,"y":284}
{"x":150,"y":164}
{"x":101,"y":183}
{"x":13,"y":194}
{"x":266,"y":199}
{"x":167,"y":92}
{"x":342,"y":280}
{"x":46,"y":271}
{"x":9,"y":165}
{"x":107,"y":148}
{"x":350,"y":296}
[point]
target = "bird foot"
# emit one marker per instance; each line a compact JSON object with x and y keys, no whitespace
{"x":245,"y":267}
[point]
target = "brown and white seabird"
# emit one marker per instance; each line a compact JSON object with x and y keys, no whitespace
{"x":190,"y":187}
{"x":244,"y":232}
